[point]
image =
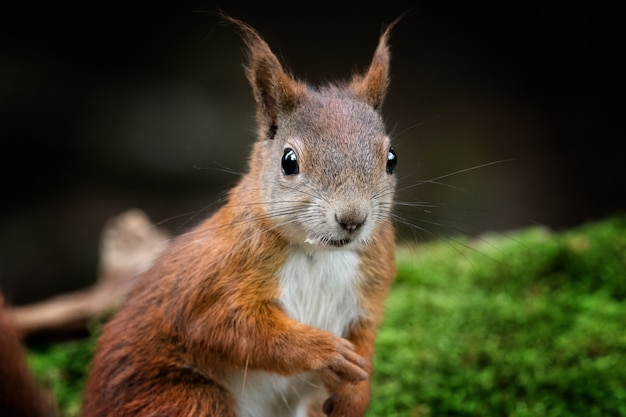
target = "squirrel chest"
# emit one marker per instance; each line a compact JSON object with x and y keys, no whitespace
{"x":320,"y":289}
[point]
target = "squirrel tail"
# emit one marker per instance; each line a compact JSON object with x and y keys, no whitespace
{"x":20,"y":394}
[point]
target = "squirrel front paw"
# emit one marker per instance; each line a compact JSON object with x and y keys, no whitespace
{"x":346,"y":364}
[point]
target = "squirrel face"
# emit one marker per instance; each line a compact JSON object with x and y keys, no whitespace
{"x":328,"y":172}
{"x":323,"y":163}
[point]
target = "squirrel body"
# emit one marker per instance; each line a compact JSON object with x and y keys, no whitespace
{"x":270,"y":306}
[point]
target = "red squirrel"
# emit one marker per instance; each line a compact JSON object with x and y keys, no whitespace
{"x":270,"y":307}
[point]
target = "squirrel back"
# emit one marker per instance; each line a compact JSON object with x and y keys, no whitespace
{"x":270,"y":306}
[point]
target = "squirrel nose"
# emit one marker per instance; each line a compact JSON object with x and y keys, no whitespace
{"x":350,"y":223}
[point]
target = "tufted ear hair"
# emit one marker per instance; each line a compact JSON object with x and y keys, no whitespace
{"x":372,"y":86}
{"x":275,"y":90}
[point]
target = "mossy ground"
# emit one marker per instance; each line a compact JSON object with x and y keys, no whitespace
{"x":532,"y":324}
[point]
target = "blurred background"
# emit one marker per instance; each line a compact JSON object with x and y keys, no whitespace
{"x":109,"y":106}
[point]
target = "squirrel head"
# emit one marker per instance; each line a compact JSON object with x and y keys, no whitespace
{"x":323,"y":164}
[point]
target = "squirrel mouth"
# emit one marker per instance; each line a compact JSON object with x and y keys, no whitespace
{"x":339,"y":243}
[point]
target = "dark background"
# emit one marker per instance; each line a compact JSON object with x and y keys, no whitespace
{"x":109,"y":106}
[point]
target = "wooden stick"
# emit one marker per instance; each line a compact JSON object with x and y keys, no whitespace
{"x":129,"y":245}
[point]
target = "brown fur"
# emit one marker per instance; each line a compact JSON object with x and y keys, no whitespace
{"x":372,"y":86}
{"x":209,"y":306}
{"x":20,"y":396}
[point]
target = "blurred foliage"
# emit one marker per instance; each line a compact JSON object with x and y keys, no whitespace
{"x":527,"y":324}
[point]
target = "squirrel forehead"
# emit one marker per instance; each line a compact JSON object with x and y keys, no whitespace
{"x":336,"y":136}
{"x":334,"y":117}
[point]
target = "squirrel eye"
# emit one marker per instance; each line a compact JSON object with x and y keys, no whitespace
{"x":392,"y":160}
{"x":290,"y":162}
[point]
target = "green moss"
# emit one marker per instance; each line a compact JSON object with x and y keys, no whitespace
{"x":62,"y":368}
{"x":525,"y":325}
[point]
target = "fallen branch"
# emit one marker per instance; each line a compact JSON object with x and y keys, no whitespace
{"x":129,"y":245}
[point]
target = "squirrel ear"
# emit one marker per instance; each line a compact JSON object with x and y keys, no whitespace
{"x":275,"y":91}
{"x":372,"y":86}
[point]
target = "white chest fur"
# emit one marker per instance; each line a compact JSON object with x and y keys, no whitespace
{"x":318,"y":289}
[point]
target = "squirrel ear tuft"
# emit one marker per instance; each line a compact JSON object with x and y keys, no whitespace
{"x":371,"y":87}
{"x":275,"y":91}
